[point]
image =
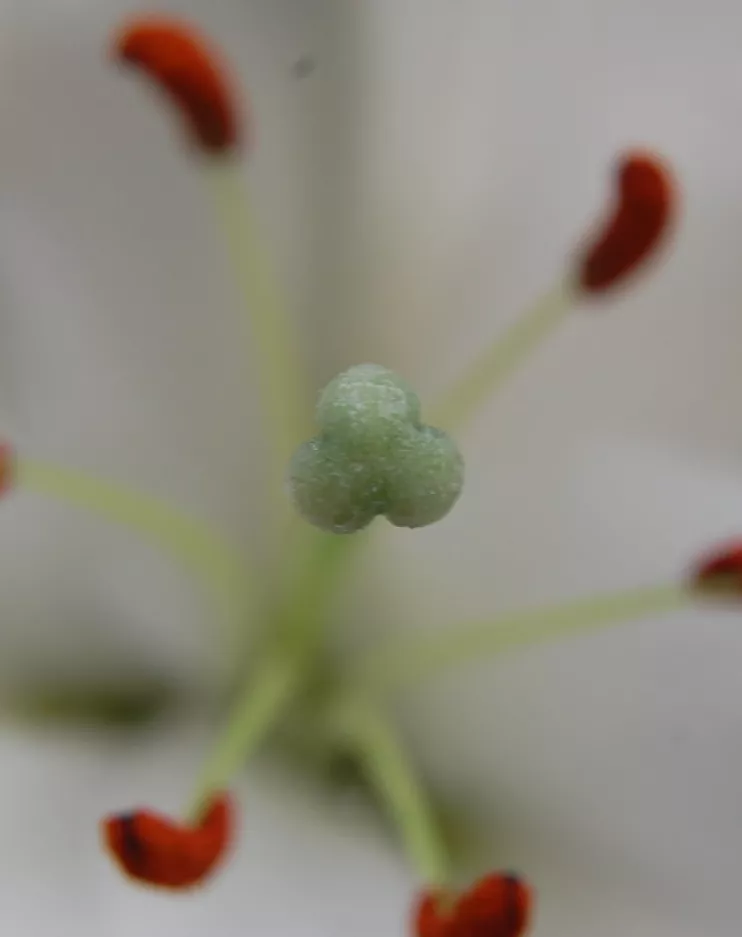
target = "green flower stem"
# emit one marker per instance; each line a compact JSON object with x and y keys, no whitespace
{"x":269,"y":332}
{"x":502,"y":358}
{"x":365,"y":730}
{"x":254,"y":714}
{"x":408,"y":661}
{"x":202,"y":551}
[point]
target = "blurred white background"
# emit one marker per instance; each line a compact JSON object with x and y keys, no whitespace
{"x":426,"y":179}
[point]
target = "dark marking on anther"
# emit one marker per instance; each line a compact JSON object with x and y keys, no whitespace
{"x":513,"y":910}
{"x":133,"y":847}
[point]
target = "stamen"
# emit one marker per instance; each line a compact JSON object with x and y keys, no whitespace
{"x":636,"y":228}
{"x":253,"y":715}
{"x":191,"y":543}
{"x":178,"y":60}
{"x":646,"y":205}
{"x":500,"y":361}
{"x":719,"y":574}
{"x":406,"y":662}
{"x":365,"y":730}
{"x":499,"y":905}
{"x":157,"y":851}
{"x":431,"y":916}
{"x":274,"y":351}
{"x":8,"y":469}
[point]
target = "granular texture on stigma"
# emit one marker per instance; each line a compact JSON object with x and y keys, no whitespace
{"x":373,"y":456}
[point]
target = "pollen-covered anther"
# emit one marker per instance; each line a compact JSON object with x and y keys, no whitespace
{"x":161,"y":852}
{"x":720,"y":571}
{"x":373,"y":456}
{"x":498,"y":905}
{"x":644,"y":211}
{"x":179,"y":61}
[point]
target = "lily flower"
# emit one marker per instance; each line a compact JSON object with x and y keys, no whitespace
{"x":370,"y":452}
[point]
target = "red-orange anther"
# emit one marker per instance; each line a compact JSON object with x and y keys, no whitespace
{"x":431,"y":916}
{"x":499,"y":905}
{"x":158,"y":851}
{"x":645,"y":208}
{"x":178,"y":60}
{"x":7,"y":467}
{"x":720,"y":570}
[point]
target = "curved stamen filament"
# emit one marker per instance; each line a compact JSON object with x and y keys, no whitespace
{"x":254,"y":713}
{"x":268,"y":330}
{"x":406,"y":662}
{"x":365,"y":731}
{"x":181,"y":62}
{"x":191,"y":543}
{"x":498,"y":362}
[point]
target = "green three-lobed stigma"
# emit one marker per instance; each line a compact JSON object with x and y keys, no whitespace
{"x":373,"y":456}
